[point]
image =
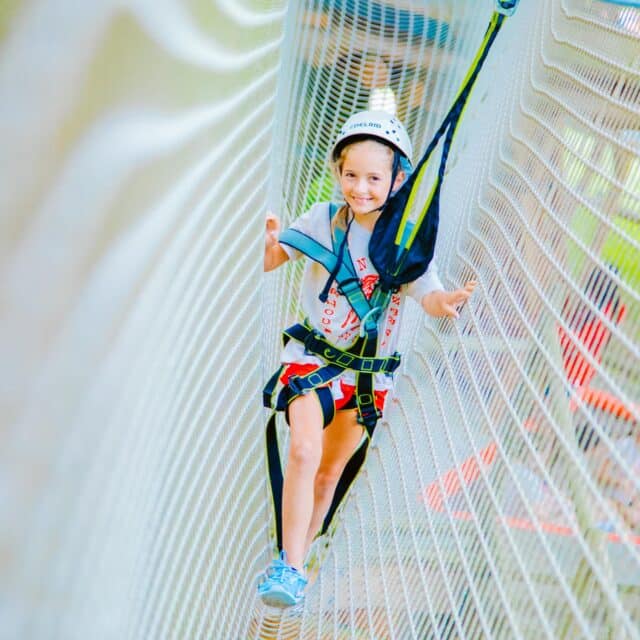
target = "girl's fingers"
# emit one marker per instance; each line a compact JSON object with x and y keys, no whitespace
{"x":272,"y":223}
{"x":457,"y":300}
{"x":272,"y":229}
{"x":450,"y":311}
{"x":462,"y":295}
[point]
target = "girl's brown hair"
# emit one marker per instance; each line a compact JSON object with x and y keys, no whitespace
{"x":342,"y":151}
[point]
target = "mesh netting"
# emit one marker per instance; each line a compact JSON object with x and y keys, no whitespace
{"x":142,"y":145}
{"x":499,"y":498}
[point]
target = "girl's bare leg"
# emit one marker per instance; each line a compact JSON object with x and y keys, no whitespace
{"x":339,"y":441}
{"x":305,"y":451}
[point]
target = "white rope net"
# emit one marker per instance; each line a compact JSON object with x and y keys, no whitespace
{"x":501,"y":494}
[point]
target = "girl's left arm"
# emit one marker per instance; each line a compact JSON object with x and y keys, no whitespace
{"x":445,"y":304}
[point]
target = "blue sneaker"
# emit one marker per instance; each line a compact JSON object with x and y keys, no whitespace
{"x":281,"y":584}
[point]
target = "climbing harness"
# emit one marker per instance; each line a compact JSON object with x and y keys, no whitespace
{"x":400,"y":251}
{"x":360,"y":357}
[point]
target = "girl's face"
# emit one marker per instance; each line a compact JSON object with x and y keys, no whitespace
{"x":365,"y":175}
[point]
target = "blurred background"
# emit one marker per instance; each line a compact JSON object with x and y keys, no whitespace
{"x":142,"y":144}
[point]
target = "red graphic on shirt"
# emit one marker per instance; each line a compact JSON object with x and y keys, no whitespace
{"x":368,"y":284}
{"x":362,"y":263}
{"x":392,"y":318}
{"x":329,"y":310}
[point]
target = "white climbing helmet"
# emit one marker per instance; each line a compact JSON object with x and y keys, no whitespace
{"x":377,"y":124}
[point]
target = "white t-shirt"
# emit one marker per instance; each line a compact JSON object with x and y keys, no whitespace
{"x":335,"y":319}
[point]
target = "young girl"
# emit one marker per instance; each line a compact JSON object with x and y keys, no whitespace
{"x":371,"y":157}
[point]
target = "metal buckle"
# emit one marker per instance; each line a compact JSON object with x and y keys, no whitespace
{"x":507,"y":7}
{"x":367,"y":365}
{"x":310,"y":341}
{"x":344,"y":359}
{"x":369,"y":418}
{"x":317,"y":377}
{"x":363,"y":321}
{"x":350,"y":284}
{"x":393,"y":362}
{"x":294,"y":384}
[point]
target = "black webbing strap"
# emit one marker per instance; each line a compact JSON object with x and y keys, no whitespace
{"x":274,"y":464}
{"x":314,"y":342}
{"x":270,"y":387}
{"x":349,"y":474}
{"x":300,"y":385}
{"x":368,"y":413}
{"x":317,"y":381}
{"x":276,"y":478}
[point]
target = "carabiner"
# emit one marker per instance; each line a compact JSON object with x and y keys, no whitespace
{"x":363,"y":322}
{"x":507,"y":7}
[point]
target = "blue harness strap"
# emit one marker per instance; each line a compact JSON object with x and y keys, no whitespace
{"x":348,"y":283}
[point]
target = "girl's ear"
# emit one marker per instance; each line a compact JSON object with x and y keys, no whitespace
{"x":399,"y":180}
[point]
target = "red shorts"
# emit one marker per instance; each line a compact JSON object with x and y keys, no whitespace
{"x":348,"y":400}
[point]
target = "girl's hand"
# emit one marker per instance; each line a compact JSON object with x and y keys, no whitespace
{"x":272,"y":230}
{"x":455,"y":300}
{"x":447,"y":304}
{"x":274,"y":254}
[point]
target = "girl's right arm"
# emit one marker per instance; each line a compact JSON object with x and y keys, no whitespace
{"x":274,"y":254}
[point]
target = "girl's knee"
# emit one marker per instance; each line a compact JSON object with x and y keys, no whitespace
{"x":305,"y":452}
{"x":327,"y":479}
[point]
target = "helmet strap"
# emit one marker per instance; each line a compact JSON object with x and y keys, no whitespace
{"x":324,"y":294}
